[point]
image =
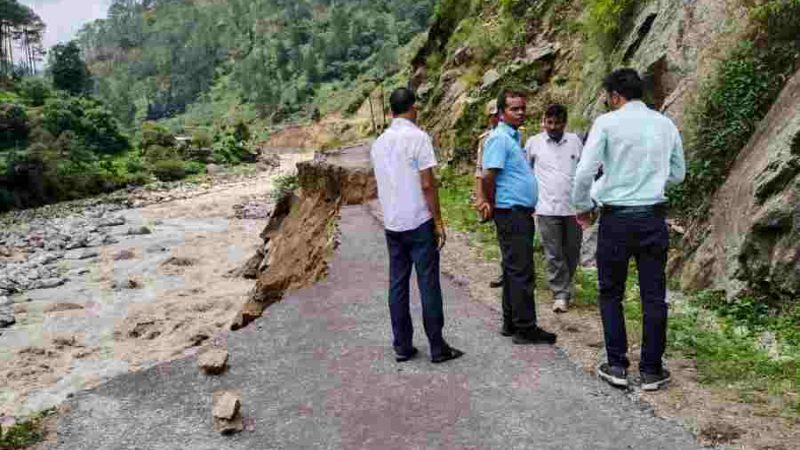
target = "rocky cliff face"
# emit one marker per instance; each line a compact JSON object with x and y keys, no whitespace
{"x":753,"y":238}
{"x":750,"y":237}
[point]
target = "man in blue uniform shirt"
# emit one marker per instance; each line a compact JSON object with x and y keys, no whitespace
{"x":511,"y":193}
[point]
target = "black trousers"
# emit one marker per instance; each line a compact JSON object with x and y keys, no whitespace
{"x":642,"y":234}
{"x":417,"y":248}
{"x":515,"y":232}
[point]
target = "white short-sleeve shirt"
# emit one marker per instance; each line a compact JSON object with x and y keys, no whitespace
{"x":398,"y":157}
{"x":554,"y":164}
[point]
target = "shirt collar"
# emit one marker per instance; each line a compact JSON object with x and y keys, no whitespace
{"x":635,"y":104}
{"x":551,"y":141}
{"x":509,"y":130}
{"x":403,"y":123}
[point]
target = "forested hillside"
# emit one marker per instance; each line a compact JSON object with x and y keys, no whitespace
{"x":153,"y":58}
{"x":106,"y":113}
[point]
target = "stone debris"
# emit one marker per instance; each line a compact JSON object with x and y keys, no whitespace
{"x":7,"y":317}
{"x":139,"y":231}
{"x":124,"y":255}
{"x":59,"y":307}
{"x":213,"y":361}
{"x":226,"y":411}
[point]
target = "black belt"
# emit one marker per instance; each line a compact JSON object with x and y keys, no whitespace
{"x":524,"y":209}
{"x":657,"y":208}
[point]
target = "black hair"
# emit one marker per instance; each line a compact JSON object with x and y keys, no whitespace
{"x":401,"y":100}
{"x":556,"y":111}
{"x":505,"y":94}
{"x":625,"y":82}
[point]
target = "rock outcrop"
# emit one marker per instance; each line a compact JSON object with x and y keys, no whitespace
{"x":754,"y":235}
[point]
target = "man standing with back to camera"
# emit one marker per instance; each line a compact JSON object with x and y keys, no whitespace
{"x":404,"y":161}
{"x":511,"y":193}
{"x":641,"y":153}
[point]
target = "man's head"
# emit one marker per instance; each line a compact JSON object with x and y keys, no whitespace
{"x":512,"y":105}
{"x":491,"y":114}
{"x":555,"y":121}
{"x":402,"y":101}
{"x":622,"y":86}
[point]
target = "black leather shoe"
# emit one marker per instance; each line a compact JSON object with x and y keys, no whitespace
{"x":507,"y":330}
{"x":403,"y":357}
{"x":449,"y":354}
{"x":534,"y":336}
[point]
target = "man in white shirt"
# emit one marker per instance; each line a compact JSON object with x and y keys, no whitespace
{"x":404,"y":161}
{"x":554,"y":156}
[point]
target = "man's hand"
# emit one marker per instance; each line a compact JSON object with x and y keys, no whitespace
{"x":486,"y":211}
{"x":440,"y":234}
{"x":586,"y":219}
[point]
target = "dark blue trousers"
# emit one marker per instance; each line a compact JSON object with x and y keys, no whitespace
{"x":639,"y":233}
{"x":417,"y":247}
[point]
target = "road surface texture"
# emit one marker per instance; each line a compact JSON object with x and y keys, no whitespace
{"x":317,"y":372}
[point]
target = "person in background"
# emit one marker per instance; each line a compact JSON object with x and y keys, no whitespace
{"x":511,"y":193}
{"x":554,"y":155}
{"x":404,"y":162}
{"x":642,"y":154}
{"x":480,"y":200}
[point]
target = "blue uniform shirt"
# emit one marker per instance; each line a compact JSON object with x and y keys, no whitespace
{"x":515,"y":184}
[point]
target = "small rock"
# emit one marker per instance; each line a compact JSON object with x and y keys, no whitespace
{"x":111,"y":222}
{"x":124,"y":254}
{"x":59,"y":307}
{"x":139,"y":231}
{"x":48,"y":283}
{"x":5,"y":301}
{"x":490,"y":78}
{"x":81,"y":254}
{"x":227,"y":417}
{"x":214,"y":361}
{"x":7,"y":317}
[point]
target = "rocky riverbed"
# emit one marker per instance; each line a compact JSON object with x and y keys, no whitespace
{"x":92,"y":289}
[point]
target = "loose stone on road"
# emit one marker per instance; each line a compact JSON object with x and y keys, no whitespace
{"x":317,"y":372}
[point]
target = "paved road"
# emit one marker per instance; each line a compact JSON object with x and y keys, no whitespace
{"x":316,"y":372}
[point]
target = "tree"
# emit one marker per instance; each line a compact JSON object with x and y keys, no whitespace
{"x":19,"y":27}
{"x":68,"y":69}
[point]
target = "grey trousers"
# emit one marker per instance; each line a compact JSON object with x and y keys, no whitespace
{"x":561,"y":239}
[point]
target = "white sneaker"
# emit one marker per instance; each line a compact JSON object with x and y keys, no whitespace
{"x":560,"y":306}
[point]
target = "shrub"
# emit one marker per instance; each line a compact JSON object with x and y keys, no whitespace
{"x":35,"y":91}
{"x":13,"y":125}
{"x":604,"y":19}
{"x":88,"y":119}
{"x":284,"y":185}
{"x":169,"y":170}
{"x":156,"y":134}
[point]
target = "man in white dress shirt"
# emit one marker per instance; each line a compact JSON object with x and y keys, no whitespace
{"x":554,"y":156}
{"x":404,"y":161}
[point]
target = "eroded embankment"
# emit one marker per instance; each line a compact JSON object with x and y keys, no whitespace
{"x":300,"y":235}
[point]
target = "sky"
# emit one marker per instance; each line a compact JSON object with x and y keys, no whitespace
{"x":65,"y":17}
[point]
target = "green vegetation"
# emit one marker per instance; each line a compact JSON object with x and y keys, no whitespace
{"x":283,"y":185}
{"x":743,"y":345}
{"x":455,"y":195}
{"x":24,"y":434}
{"x":273,"y":55}
{"x":734,"y":100}
{"x":604,"y":21}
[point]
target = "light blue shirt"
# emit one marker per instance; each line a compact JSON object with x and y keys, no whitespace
{"x":515,"y":184}
{"x":641,"y":153}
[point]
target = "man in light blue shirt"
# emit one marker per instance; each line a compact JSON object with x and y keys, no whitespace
{"x":511,"y":195}
{"x":641,"y":154}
